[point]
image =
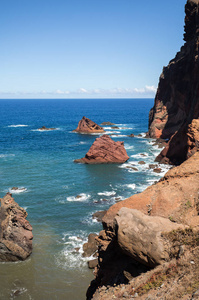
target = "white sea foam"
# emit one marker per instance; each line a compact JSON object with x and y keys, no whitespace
{"x":128,"y":147}
{"x":142,"y":135}
{"x":140,"y":155}
{"x":45,"y":130}
{"x":83,"y":143}
{"x":6,"y":155}
{"x":19,"y":125}
{"x":79,"y":198}
{"x":71,"y":255}
{"x":108,"y":128}
{"x":18,"y":190}
{"x":65,"y":187}
{"x":118,"y":135}
{"x":125,"y":128}
{"x":113,"y":132}
{"x":131,"y":186}
{"x":25,"y":207}
{"x":107,"y":194}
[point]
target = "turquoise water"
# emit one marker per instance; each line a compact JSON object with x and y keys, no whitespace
{"x":42,"y":163}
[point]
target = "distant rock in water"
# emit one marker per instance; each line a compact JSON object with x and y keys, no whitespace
{"x":45,"y":128}
{"x":17,"y":189}
{"x":177,"y":99}
{"x":104,"y":151}
{"x":87,"y":126}
{"x":15,"y":231}
{"x":107,"y":123}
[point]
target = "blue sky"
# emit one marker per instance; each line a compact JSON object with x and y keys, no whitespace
{"x":87,"y":48}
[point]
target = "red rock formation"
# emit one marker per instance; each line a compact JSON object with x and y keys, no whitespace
{"x":168,"y":198}
{"x":177,"y":98}
{"x":105,"y":151}
{"x":87,"y":126}
{"x":182,"y":145}
{"x":15,"y":231}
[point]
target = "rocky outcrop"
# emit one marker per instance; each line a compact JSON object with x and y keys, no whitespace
{"x":44,"y":128}
{"x":15,"y":231}
{"x":183,"y":144}
{"x":177,"y":98}
{"x":107,"y":124}
{"x":87,"y":126}
{"x":105,"y":151}
{"x":135,"y":236}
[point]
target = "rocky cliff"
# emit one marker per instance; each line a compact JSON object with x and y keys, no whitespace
{"x":105,"y":151}
{"x":15,"y":231}
{"x":177,"y":99}
{"x":137,"y":233}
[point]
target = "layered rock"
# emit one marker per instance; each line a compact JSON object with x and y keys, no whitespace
{"x":183,"y":144}
{"x":85,"y":125}
{"x":15,"y":231}
{"x":134,"y":238}
{"x":177,"y":98}
{"x":104,"y":151}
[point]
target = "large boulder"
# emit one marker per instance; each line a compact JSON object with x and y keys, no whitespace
{"x":15,"y":231}
{"x":85,"y":125}
{"x":104,"y":151}
{"x":142,"y":237}
{"x":177,"y":99}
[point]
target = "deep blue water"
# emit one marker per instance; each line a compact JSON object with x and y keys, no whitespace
{"x":42,"y":163}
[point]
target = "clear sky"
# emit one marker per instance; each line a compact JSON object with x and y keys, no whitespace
{"x":87,"y":48}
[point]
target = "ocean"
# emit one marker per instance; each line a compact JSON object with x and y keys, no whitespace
{"x":41,"y":163}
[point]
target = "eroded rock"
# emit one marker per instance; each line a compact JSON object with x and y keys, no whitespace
{"x":141,"y":236}
{"x":103,"y":151}
{"x":15,"y":231}
{"x":87,"y":126}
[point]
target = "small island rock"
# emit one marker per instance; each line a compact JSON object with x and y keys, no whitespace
{"x":45,"y":128}
{"x":85,"y":125}
{"x":103,"y":151}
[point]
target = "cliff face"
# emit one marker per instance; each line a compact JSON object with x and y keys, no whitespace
{"x":177,"y":98}
{"x":135,"y":236}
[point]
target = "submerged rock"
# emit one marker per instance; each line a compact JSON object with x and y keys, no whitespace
{"x":107,"y":123}
{"x":104,"y":151}
{"x":15,"y":231}
{"x":87,"y":126}
{"x":99,"y":215}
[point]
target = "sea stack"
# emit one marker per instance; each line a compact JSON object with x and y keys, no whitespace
{"x":85,"y":125}
{"x":15,"y":231}
{"x":105,"y":151}
{"x":177,"y":99}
